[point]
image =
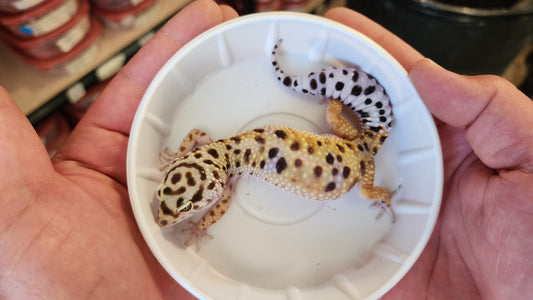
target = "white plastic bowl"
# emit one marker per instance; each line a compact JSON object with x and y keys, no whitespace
{"x":270,"y":244}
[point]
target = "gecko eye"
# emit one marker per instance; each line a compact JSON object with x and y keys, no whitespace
{"x":186,"y":208}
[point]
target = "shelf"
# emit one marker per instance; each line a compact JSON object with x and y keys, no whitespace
{"x":33,"y":89}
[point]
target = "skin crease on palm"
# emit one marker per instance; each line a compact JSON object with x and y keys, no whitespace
{"x":67,"y":230}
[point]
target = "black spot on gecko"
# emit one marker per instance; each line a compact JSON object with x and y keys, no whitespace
{"x":363,"y":114}
{"x":211,"y":185}
{"x":190,"y":179}
{"x":198,"y":155}
{"x":319,"y":143}
{"x":323,"y":91}
{"x":287,"y":81}
{"x":368,"y":101}
{"x":383,"y":119}
{"x":200,"y":169}
{"x":215,"y":174}
{"x":339,"y":158}
{"x":259,"y":130}
{"x":362,"y":168}
{"x":369,"y":134}
{"x":310,"y":150}
{"x":330,"y":187}
{"x":356,"y":90}
{"x":208,"y":161}
{"x":228,"y":147}
{"x":295,"y":146}
{"x":317,"y":171}
{"x":166,"y":211}
{"x":281,"y":134}
{"x":334,"y":171}
{"x":339,"y":86}
{"x":273,"y":152}
{"x":237,"y":151}
{"x":341,"y":148}
{"x":175,"y":178}
{"x":322,"y":77}
{"x":259,"y":139}
{"x":379,"y":104}
{"x":382,"y":139}
{"x":262,"y":164}
{"x":344,"y":72}
{"x":281,"y":165}
{"x":213,"y":152}
{"x":236,"y":139}
{"x":329,"y":159}
{"x":313,"y":84}
{"x":360,"y":148}
{"x":369,"y":90}
{"x":171,"y":192}
{"x":298,"y":163}
{"x":375,"y":128}
{"x":355,"y":76}
{"x":247,"y":156}
{"x":345,"y":172}
{"x":198,"y":195}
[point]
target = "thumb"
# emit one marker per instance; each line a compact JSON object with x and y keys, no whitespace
{"x":495,"y":115}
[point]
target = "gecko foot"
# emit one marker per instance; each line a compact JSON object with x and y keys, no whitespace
{"x":384,"y":206}
{"x":197,"y":234}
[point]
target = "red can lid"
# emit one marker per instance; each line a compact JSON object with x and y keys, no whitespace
{"x":16,"y":19}
{"x":25,"y":43}
{"x":117,"y":16}
{"x":48,"y":64}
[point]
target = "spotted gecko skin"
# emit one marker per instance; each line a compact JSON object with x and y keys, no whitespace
{"x":321,"y":167}
{"x":358,"y":90}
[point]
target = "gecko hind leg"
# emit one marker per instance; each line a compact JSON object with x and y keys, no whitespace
{"x":338,"y":124}
{"x":194,"y":139}
{"x":381,"y":195}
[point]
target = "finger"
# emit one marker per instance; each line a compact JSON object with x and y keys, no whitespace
{"x":406,"y":55}
{"x":100,"y":140}
{"x":119,"y":101}
{"x":496,"y":116}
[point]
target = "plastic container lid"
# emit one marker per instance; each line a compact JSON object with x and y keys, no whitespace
{"x":116,"y":5}
{"x":17,"y":22}
{"x":27,"y":45}
{"x":49,"y":64}
{"x":118,"y":16}
{"x":271,"y":244}
{"x":18,"y":6}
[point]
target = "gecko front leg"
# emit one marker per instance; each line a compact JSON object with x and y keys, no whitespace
{"x":195,"y":138}
{"x":198,"y":230}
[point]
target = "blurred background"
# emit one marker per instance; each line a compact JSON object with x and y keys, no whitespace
{"x":56,"y":56}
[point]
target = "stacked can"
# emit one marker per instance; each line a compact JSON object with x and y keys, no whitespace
{"x":125,"y":14}
{"x":51,"y":35}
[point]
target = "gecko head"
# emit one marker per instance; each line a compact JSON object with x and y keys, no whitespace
{"x":190,"y":187}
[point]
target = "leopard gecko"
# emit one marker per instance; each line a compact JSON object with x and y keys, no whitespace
{"x":199,"y":177}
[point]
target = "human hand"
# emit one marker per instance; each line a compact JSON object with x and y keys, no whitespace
{"x":482,"y":244}
{"x":66,"y":226}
